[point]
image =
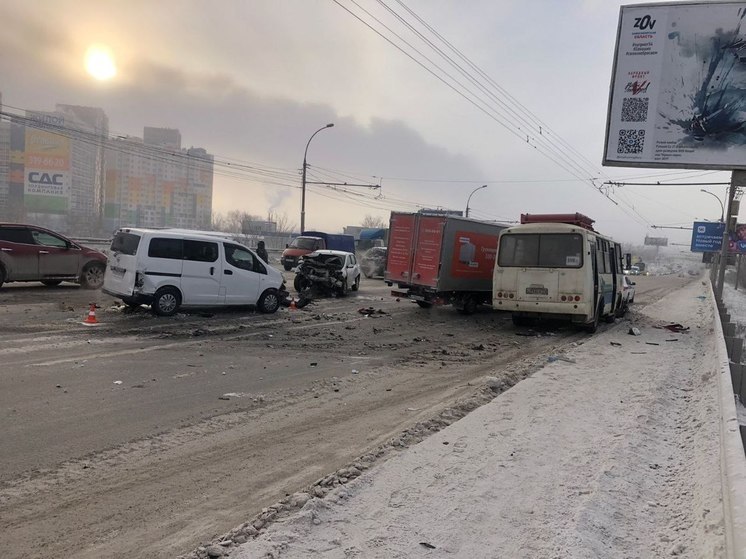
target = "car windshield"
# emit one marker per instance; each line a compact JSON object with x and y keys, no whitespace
{"x":304,"y":243}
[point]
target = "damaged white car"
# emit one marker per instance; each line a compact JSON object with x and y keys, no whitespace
{"x":327,"y":272}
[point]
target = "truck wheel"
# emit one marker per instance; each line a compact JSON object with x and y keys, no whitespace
{"x":287,"y":267}
{"x":424,"y":304}
{"x":166,"y":301}
{"x":469,"y":306}
{"x":269,"y":302}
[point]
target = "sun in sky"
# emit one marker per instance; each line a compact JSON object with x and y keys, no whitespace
{"x":99,"y":62}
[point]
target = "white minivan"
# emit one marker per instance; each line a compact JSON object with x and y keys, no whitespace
{"x":170,"y":268}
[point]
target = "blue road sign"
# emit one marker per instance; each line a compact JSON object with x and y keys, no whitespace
{"x":707,"y":236}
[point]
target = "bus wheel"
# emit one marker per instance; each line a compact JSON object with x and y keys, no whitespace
{"x":520,"y":320}
{"x":424,"y":304}
{"x":592,"y":326}
{"x":609,"y":318}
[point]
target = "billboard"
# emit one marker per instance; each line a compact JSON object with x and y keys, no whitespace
{"x":656,"y":241}
{"x":707,"y":236}
{"x":737,"y":239}
{"x":47,"y":175}
{"x":678,"y":87}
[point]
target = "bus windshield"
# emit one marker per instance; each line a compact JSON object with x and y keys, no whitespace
{"x":541,"y":250}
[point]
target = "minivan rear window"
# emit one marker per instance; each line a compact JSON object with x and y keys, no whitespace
{"x":125,"y":243}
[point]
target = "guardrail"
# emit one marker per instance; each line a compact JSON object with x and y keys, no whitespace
{"x":732,"y":381}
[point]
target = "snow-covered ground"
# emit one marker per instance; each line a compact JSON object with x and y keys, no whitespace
{"x":612,"y":451}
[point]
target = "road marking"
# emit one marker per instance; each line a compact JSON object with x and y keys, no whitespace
{"x":90,"y":356}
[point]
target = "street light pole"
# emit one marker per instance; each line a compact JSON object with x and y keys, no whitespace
{"x":470,"y":195}
{"x":722,"y":208}
{"x":303,"y":180}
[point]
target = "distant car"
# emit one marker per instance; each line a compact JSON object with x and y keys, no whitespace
{"x":330,"y":271}
{"x":32,"y":253}
{"x":628,"y":295}
{"x":373,"y":262}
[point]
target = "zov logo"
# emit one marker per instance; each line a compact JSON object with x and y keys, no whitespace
{"x":643,"y":23}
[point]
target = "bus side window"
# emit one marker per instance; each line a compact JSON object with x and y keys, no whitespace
{"x":607,"y":261}
{"x":600,"y":257}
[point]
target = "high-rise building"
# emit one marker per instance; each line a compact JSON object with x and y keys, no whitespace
{"x":153,"y":182}
{"x":61,"y":170}
{"x":168,"y":138}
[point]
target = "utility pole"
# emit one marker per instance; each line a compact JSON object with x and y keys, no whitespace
{"x":738,"y":178}
{"x":303,"y":180}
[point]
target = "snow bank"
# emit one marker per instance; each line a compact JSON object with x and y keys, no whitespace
{"x":614,"y":455}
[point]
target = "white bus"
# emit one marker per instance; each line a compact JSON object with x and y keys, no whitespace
{"x":560,"y":269}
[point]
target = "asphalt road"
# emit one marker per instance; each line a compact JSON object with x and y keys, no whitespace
{"x":145,"y":436}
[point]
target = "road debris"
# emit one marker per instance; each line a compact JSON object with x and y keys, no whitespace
{"x":634,"y":331}
{"x":675,"y":327}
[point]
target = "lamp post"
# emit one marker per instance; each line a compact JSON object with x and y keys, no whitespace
{"x":303,"y":187}
{"x":722,"y":208}
{"x":470,"y":195}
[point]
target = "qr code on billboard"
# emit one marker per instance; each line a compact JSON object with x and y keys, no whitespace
{"x":631,"y":141}
{"x":634,"y":109}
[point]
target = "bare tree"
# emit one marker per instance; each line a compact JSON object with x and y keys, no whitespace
{"x":218,"y":222}
{"x":281,"y":221}
{"x":373,"y":222}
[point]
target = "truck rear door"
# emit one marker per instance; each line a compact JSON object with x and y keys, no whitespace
{"x":401,"y":248}
{"x":428,"y":247}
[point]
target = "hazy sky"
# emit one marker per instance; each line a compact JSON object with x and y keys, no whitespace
{"x":251,"y":80}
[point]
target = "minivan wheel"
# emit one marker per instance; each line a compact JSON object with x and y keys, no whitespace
{"x":166,"y":301}
{"x":269,"y":302}
{"x":93,"y":276}
{"x":356,"y":285}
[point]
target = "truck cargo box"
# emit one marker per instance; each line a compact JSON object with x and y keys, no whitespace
{"x":441,"y":258}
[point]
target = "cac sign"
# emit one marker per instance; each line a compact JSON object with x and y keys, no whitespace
{"x":47,"y":183}
{"x":707,"y":236}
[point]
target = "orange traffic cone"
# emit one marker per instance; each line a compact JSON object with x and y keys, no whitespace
{"x":293,"y":307}
{"x":91,"y":318}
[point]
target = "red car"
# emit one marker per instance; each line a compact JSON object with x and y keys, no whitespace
{"x":31,"y":253}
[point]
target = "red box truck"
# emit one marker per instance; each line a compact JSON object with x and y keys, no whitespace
{"x":441,"y":259}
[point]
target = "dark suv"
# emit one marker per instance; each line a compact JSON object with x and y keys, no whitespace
{"x":31,"y":253}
